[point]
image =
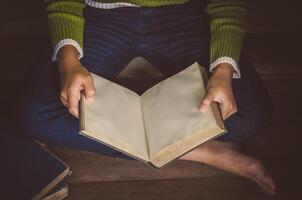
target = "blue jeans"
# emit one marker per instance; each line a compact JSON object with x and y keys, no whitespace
{"x":169,"y":37}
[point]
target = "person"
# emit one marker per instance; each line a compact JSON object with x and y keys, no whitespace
{"x":103,"y":36}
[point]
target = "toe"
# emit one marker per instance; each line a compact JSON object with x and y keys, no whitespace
{"x":270,"y":183}
{"x":267,"y":184}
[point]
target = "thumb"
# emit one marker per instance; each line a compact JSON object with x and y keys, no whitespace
{"x":205,"y":103}
{"x":89,"y":88}
{"x":224,"y":110}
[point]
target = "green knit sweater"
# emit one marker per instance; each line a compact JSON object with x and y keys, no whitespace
{"x":227,"y":22}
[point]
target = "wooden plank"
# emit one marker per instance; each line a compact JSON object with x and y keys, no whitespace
{"x":206,"y":189}
{"x":92,"y":167}
{"x":285,"y":170}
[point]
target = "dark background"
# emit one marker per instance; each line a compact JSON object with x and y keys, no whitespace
{"x":273,"y":45}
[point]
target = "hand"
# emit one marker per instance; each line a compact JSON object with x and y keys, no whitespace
{"x":74,"y":79}
{"x":219,"y":89}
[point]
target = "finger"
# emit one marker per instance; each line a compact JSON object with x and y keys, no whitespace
{"x":73,"y":100}
{"x":206,"y":102}
{"x":224,"y":111}
{"x":63,"y":101}
{"x":227,"y":110}
{"x":89,"y":88}
{"x":63,"y":95}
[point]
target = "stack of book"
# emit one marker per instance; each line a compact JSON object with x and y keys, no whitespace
{"x":29,"y":171}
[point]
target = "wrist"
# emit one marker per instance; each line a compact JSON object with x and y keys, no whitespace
{"x":68,"y":65}
{"x":68,"y":58}
{"x":225,"y":70}
{"x":68,"y":53}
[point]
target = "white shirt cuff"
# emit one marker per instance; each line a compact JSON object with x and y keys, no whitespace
{"x":64,"y":42}
{"x":229,"y":60}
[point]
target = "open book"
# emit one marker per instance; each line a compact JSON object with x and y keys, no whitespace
{"x":157,"y":127}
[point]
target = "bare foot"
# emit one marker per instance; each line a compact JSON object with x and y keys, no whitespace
{"x":226,"y":157}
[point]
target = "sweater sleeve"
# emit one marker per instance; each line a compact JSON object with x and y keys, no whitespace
{"x":227,"y":25}
{"x":65,"y":20}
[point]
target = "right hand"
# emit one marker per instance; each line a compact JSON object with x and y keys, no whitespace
{"x":219,"y":89}
{"x":74,"y":78}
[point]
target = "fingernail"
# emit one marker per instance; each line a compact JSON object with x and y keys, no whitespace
{"x":92,"y":93}
{"x":90,"y":98}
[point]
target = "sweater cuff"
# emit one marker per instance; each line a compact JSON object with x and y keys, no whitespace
{"x":64,"y":42}
{"x":229,"y":60}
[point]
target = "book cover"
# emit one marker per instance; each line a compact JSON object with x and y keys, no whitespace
{"x":29,"y":171}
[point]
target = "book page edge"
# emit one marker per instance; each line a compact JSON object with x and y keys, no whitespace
{"x":182,"y":150}
{"x":53,"y":183}
{"x":216,"y":114}
{"x":59,"y":195}
{"x":82,"y":113}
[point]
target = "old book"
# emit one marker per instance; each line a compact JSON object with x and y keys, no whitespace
{"x":157,"y":127}
{"x":58,"y":193}
{"x":29,"y":171}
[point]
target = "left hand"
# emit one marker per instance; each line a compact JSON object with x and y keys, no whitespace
{"x":219,"y":89}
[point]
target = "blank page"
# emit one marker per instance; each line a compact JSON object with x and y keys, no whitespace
{"x":114,"y":117}
{"x":171,"y":109}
